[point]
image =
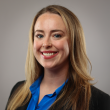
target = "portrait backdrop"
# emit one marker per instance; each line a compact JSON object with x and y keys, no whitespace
{"x":15,"y":20}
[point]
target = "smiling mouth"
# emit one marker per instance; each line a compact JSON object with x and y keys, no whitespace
{"x":49,"y":54}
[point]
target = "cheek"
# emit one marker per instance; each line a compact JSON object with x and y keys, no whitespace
{"x":63,"y":46}
{"x":66,"y":48}
{"x":36,"y":45}
{"x":36,"y":48}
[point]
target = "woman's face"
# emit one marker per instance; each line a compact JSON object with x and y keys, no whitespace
{"x":51,"y":46}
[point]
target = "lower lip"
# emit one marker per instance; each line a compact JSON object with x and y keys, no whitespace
{"x":49,"y":57}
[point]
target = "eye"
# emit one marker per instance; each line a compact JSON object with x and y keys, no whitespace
{"x":57,"y":35}
{"x":39,"y":36}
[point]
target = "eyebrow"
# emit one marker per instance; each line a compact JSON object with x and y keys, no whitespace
{"x":56,"y":30}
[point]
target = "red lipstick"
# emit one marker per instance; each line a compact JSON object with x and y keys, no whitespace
{"x":49,"y":56}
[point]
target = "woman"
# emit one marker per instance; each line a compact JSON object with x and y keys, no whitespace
{"x":57,"y":74}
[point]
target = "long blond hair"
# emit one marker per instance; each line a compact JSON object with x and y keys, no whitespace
{"x":77,"y":92}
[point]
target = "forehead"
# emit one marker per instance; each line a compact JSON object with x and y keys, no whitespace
{"x":49,"y":21}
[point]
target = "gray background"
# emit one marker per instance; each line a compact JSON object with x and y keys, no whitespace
{"x":15,"y":20}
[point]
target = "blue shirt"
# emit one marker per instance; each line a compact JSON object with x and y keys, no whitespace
{"x":46,"y":101}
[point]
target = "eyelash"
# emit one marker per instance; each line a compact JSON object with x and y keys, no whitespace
{"x":55,"y":36}
{"x":59,"y":35}
{"x":39,"y":35}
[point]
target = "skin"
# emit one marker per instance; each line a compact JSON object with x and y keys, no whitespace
{"x":50,"y":35}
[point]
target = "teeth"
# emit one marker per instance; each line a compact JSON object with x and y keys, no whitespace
{"x":48,"y":54}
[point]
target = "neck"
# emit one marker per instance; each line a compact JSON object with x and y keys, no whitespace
{"x":54,"y":78}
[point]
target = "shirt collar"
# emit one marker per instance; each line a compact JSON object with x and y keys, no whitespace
{"x":36,"y":84}
{"x":61,"y":87}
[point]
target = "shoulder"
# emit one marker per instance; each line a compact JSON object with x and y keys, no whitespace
{"x":15,"y":87}
{"x":98,"y":94}
{"x":99,"y":100}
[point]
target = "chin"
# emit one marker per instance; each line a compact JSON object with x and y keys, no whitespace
{"x":49,"y":66}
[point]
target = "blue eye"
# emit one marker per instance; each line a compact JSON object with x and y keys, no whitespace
{"x":39,"y":36}
{"x":57,"y":35}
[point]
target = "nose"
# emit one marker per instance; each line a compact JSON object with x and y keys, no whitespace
{"x":46,"y":43}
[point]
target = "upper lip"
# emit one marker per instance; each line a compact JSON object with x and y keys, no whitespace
{"x":49,"y":51}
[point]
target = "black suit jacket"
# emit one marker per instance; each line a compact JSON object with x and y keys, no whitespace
{"x":99,"y":100}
